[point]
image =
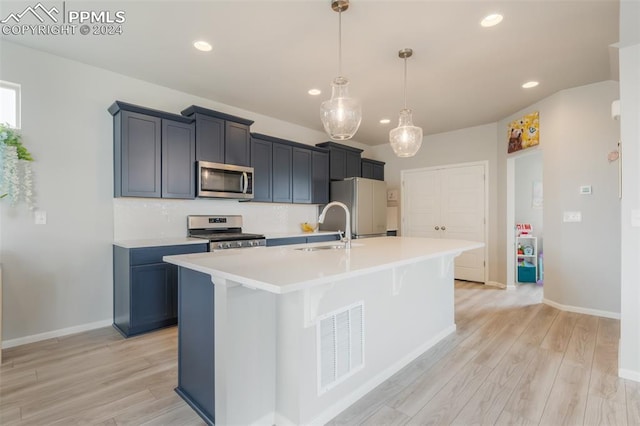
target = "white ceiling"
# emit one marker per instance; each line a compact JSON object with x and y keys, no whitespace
{"x":267,"y":54}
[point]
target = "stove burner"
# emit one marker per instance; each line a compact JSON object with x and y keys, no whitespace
{"x":223,"y":232}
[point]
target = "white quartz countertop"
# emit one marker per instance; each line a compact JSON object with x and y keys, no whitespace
{"x":159,"y":242}
{"x":283,"y":269}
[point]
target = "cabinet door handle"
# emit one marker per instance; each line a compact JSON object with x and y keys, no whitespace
{"x":437,"y":228}
{"x":443,"y":228}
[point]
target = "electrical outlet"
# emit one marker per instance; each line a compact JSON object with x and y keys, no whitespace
{"x":40,"y":217}
{"x":572,"y":217}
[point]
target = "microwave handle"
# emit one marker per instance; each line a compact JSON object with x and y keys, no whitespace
{"x":245,"y":182}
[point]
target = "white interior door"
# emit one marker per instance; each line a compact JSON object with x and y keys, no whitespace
{"x":463,"y":216}
{"x":421,"y":210}
{"x":448,"y":202}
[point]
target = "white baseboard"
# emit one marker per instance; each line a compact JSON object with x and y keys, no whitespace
{"x":367,"y":387}
{"x":629,"y":374}
{"x":579,"y":310}
{"x":495,"y":284}
{"x":55,"y":333}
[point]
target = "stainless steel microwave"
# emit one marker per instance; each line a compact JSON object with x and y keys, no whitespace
{"x":216,"y":180}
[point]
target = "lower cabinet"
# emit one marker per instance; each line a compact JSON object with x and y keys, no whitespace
{"x":145,"y":288}
{"x":153,"y":294}
{"x":284,"y":241}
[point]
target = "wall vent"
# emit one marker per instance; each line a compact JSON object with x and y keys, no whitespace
{"x":340,"y":343}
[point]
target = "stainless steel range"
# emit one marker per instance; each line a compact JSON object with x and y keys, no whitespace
{"x":223,"y":232}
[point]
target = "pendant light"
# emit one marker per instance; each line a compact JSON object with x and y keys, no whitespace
{"x":405,"y":139}
{"x":341,"y":115}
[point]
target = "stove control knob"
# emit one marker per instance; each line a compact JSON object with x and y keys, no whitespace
{"x":226,"y":245}
{"x":252,"y":243}
{"x":220,"y":246}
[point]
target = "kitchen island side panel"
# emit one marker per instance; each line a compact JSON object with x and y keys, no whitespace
{"x":408,"y":309}
{"x":196,"y":345}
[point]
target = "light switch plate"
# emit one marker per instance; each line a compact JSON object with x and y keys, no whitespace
{"x":585,"y":190}
{"x":40,"y":217}
{"x":572,"y":217}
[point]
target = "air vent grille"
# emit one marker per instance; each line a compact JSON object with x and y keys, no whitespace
{"x":340,"y":336}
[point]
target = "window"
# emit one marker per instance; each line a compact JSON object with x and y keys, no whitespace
{"x":10,"y":104}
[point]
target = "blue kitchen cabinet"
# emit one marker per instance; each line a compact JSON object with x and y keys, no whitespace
{"x":178,"y":159}
{"x":372,"y":169}
{"x":209,"y":138}
{"x":282,"y":165}
{"x":196,"y":368}
{"x":137,"y":151}
{"x":145,"y":288}
{"x":354,"y":163}
{"x":221,"y":137}
{"x":344,"y":161}
{"x":297,"y":173}
{"x":301,"y":175}
{"x":322,"y":238}
{"x":284,"y":241}
{"x":262,"y":163}
{"x":154,"y":153}
{"x":237,"y":147}
{"x":320,"y":177}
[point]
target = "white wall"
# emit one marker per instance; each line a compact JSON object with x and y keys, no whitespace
{"x":459,"y":146}
{"x":59,"y":275}
{"x":581,"y":259}
{"x":528,"y":169}
{"x":629,"y":360}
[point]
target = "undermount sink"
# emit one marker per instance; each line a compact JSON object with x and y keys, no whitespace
{"x":316,"y":248}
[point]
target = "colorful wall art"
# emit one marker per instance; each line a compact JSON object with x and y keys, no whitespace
{"x":524,"y":133}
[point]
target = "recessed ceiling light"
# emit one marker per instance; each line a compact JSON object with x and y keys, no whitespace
{"x":491,"y":20}
{"x":202,"y":46}
{"x":530,"y":84}
{"x":385,"y":121}
{"x":314,"y":92}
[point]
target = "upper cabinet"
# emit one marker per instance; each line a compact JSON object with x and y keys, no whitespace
{"x":262,"y":163}
{"x":301,"y":175}
{"x":344,"y":161}
{"x":320,"y":177}
{"x":220,"y":137}
{"x":297,"y":173}
{"x":372,"y":169}
{"x":154,"y":153}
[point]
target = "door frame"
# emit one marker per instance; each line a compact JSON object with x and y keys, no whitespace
{"x":485,"y":166}
{"x":510,"y":220}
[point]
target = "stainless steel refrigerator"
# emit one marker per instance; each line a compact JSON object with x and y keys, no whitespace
{"x":367,"y":203}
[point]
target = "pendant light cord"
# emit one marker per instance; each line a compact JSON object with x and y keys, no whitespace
{"x":405,"y":83}
{"x":340,"y":44}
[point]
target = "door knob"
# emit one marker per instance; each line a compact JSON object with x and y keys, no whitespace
{"x":437,"y":228}
{"x":443,"y":228}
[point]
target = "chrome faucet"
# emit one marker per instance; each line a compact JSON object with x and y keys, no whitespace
{"x":347,"y":231}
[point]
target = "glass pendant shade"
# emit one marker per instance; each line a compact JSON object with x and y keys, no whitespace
{"x":405,"y":139}
{"x":341,"y":115}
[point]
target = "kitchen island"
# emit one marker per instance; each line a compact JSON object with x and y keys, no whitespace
{"x":296,"y":334}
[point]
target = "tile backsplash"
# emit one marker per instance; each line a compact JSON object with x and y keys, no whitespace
{"x":140,"y":218}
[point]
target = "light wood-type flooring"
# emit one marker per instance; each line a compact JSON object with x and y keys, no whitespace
{"x":512,"y":360}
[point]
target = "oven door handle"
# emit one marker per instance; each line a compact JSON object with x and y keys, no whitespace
{"x":245,"y":182}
